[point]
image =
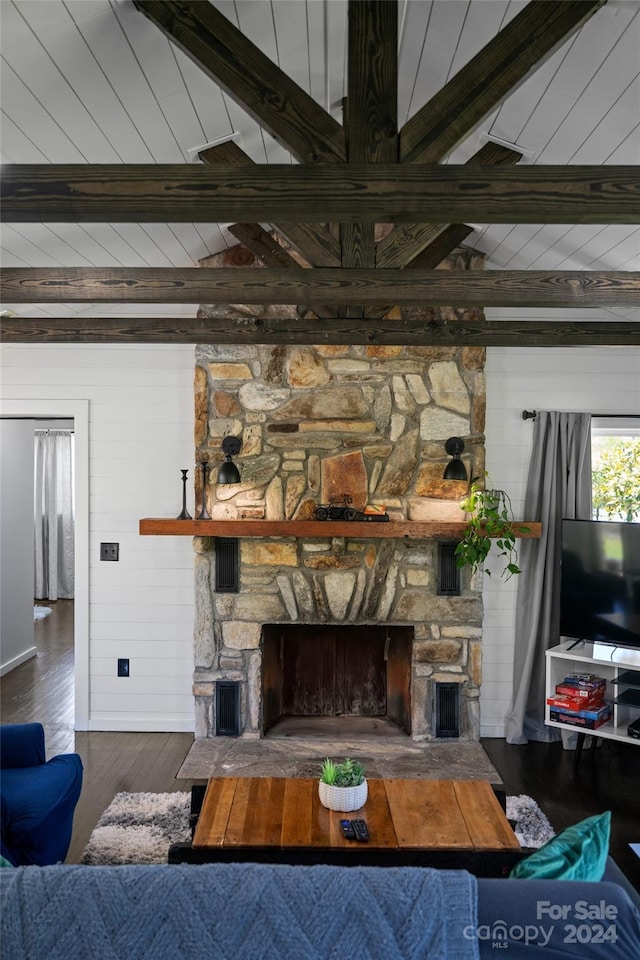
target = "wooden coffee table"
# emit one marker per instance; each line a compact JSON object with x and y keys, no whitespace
{"x":452,"y":823}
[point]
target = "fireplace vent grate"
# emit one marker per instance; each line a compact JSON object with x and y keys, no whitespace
{"x":227,"y":567}
{"x":448,"y":570}
{"x":447,"y":709}
{"x":227,"y":708}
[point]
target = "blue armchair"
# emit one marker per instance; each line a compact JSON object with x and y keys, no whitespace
{"x":37,"y":798}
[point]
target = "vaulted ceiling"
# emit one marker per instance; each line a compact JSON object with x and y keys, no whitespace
{"x":400,"y":86}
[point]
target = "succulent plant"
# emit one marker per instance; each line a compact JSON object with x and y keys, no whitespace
{"x":349,"y":773}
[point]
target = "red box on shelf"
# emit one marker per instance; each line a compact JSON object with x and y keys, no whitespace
{"x":579,"y":693}
{"x":570,"y":704}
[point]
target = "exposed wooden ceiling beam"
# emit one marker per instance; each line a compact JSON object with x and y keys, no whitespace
{"x":260,"y":242}
{"x":445,"y":239}
{"x":407,"y":241}
{"x":497,"y":70}
{"x":372,"y":82}
{"x":457,"y":288}
{"x":483,"y":333}
{"x":440,"y":247}
{"x":312,"y":240}
{"x":371,"y":120}
{"x":384,"y":193}
{"x":269,"y":251}
{"x":250,"y":78}
{"x":493,"y":154}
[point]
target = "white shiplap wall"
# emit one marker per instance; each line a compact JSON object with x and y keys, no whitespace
{"x":596,"y":380}
{"x":140,"y":437}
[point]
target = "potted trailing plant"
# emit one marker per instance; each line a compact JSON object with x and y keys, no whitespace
{"x":342,"y":785}
{"x":489,"y":520}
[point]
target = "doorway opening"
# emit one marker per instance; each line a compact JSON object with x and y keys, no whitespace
{"x":32,"y":413}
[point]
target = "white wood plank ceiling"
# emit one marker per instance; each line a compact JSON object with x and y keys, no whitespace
{"x":94,"y":81}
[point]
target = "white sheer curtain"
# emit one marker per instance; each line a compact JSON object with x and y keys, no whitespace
{"x":53,"y":514}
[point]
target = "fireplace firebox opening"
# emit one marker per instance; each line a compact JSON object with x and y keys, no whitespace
{"x":336,"y":670}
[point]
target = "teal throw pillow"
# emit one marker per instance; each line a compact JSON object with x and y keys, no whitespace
{"x":578,"y":853}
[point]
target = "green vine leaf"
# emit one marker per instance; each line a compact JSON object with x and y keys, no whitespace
{"x":489,"y":519}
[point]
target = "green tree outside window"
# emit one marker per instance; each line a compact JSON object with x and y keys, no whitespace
{"x":616,"y":478}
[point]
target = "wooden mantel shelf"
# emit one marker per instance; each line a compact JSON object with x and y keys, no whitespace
{"x":413,"y":530}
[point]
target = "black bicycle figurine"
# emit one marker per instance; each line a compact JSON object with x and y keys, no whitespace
{"x":336,"y":510}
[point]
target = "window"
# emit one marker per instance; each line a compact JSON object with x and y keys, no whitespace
{"x":615,"y":468}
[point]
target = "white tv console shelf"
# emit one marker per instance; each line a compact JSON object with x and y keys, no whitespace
{"x":620,"y":666}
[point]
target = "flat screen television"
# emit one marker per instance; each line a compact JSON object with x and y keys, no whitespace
{"x":600,"y":582}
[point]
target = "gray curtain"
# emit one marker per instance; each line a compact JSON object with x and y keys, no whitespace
{"x":559,"y":486}
{"x":53,"y":515}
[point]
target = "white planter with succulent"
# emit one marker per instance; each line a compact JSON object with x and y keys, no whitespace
{"x":342,"y":785}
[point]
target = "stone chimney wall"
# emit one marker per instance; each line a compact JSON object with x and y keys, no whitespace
{"x":318,"y":423}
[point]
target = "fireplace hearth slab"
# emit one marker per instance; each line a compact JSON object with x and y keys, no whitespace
{"x":337,"y":729}
{"x":297,"y":757}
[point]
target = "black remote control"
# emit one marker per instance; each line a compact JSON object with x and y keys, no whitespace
{"x":360,"y":829}
{"x":347,"y":829}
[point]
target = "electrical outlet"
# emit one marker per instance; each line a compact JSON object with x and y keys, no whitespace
{"x":123,"y":666}
{"x":109,"y":551}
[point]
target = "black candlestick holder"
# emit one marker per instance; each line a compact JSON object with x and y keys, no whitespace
{"x":204,"y":513}
{"x":184,"y":514}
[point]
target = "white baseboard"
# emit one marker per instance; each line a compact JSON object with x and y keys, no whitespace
{"x":16,"y":661}
{"x":497,"y":729}
{"x":132,"y":724}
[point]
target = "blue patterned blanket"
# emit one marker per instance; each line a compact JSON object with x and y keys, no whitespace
{"x":237,"y":912}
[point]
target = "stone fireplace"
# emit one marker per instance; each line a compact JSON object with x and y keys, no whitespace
{"x":318,"y":424}
{"x":336,"y":670}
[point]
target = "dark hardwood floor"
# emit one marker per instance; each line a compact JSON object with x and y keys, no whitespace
{"x":42,"y":689}
{"x":607,"y":778}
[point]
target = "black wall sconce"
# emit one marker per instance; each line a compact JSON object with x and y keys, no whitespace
{"x":228,"y":471}
{"x":455,"y":469}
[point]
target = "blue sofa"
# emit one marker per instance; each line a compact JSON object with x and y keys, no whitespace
{"x":277,"y":912}
{"x":37,"y":798}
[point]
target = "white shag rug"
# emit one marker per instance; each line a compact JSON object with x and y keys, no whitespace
{"x":140,"y":827}
{"x":39,"y":613}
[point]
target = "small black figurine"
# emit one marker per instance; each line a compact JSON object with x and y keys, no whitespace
{"x":184,"y":515}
